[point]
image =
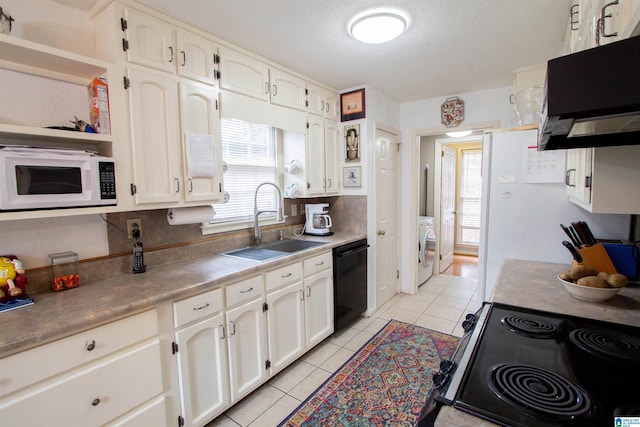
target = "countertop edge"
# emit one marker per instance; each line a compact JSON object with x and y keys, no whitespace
{"x":106,"y":300}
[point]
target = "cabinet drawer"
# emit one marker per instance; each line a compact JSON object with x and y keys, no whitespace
{"x":317,"y":264}
{"x":283,"y":276}
{"x":244,"y":291}
{"x":197,"y":307}
{"x":31,"y":366}
{"x":92,"y":396}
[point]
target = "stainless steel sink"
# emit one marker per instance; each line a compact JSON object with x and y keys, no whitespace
{"x":272,"y":250}
{"x":291,"y":245}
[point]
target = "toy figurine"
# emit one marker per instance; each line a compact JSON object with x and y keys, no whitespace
{"x":12,"y":273}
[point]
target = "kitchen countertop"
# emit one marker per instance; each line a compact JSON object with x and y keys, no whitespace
{"x":58,"y":314}
{"x":535,"y":285}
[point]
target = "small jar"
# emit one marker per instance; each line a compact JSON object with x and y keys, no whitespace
{"x":65,"y":270}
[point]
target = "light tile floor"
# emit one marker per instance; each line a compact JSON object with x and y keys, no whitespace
{"x":441,"y":304}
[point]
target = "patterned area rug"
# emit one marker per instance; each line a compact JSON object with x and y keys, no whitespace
{"x":385,"y":383}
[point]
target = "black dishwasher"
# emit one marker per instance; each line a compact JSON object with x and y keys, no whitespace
{"x":349,"y":283}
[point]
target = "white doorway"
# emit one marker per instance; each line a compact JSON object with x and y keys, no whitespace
{"x":386,"y":215}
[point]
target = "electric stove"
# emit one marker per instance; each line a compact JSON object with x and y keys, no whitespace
{"x":524,"y":367}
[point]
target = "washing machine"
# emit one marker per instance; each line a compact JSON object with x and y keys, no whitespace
{"x":426,"y":248}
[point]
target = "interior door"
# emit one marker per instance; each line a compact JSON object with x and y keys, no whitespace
{"x":447,"y":206}
{"x":387,"y":272}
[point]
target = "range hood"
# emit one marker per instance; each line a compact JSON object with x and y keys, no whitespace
{"x":592,"y":98}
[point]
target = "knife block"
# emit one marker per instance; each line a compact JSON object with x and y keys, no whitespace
{"x":596,"y":257}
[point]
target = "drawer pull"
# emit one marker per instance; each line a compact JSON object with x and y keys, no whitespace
{"x":91,"y":345}
{"x":286,"y":275}
{"x":202,"y":307}
{"x":245,"y":291}
{"x":95,"y":402}
{"x":320,"y":263}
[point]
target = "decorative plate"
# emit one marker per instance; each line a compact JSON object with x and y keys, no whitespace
{"x":452,"y":112}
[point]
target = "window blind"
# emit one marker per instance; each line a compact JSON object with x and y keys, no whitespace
{"x":249,"y":150}
{"x":470,"y":196}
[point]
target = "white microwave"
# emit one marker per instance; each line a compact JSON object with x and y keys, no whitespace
{"x":43,"y":178}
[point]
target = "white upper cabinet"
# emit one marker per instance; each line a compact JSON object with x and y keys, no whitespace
{"x":197,"y":58}
{"x":148,"y":41}
{"x":322,"y":102}
{"x":287,"y":90}
{"x":157,"y":44}
{"x":241,"y":74}
{"x":599,"y":22}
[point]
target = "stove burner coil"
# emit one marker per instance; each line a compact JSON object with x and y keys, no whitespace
{"x":530,"y":327}
{"x":608,"y":344}
{"x":540,"y":393}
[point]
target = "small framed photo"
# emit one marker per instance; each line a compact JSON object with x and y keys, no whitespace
{"x":351,"y":176}
{"x":352,"y":105}
{"x":352,"y":143}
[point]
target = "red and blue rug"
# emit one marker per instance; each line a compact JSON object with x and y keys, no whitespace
{"x":385,"y":383}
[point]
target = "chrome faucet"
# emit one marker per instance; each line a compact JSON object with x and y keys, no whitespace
{"x":257,"y":233}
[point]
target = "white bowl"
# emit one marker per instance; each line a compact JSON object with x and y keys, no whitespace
{"x":587,"y":293}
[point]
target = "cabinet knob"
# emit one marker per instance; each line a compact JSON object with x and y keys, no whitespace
{"x":91,"y":345}
{"x":95,"y":402}
{"x":381,"y":232}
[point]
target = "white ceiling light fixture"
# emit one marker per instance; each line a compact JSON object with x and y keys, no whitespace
{"x":378,"y":26}
{"x":459,"y":134}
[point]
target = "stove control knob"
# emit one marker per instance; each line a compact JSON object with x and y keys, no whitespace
{"x":439,"y":379}
{"x":447,"y":366}
{"x":469,"y":322}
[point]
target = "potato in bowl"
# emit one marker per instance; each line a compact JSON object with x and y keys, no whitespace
{"x":587,"y":284}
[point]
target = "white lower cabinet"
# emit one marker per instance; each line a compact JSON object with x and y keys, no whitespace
{"x":285,"y":318}
{"x":231,"y":340}
{"x":119,"y":382}
{"x":247,"y":343}
{"x":318,"y":306}
{"x":203,"y":370}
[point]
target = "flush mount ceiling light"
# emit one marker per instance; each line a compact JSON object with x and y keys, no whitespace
{"x":378,"y":27}
{"x":459,"y":134}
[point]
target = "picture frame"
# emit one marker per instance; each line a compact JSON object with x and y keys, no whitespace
{"x":352,"y":105}
{"x":352,"y":143}
{"x":351,"y":176}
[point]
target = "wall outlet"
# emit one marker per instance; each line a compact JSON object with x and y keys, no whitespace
{"x":132,"y":225}
{"x":294,"y":210}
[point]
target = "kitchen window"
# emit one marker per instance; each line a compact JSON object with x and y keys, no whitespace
{"x":470,"y":196}
{"x":250,"y":151}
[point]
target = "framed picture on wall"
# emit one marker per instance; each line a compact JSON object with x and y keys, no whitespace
{"x":351,"y":176}
{"x":352,"y":105}
{"x":352,"y":143}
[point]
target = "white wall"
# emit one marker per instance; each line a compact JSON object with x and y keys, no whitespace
{"x":421,"y":118}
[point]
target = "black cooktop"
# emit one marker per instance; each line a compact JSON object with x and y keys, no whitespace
{"x":538,"y":369}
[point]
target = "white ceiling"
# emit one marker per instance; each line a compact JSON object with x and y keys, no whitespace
{"x":450,"y":46}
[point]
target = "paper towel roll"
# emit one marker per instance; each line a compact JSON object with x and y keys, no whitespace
{"x":194,"y":215}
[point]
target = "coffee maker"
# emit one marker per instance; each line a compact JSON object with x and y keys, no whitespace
{"x":318,"y":219}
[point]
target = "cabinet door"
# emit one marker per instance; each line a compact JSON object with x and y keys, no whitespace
{"x":197,"y":58}
{"x":151,"y":42}
{"x":318,"y":307}
{"x":202,"y":364}
{"x":315,"y":100}
{"x":199,"y":117}
{"x":155,"y":136}
{"x":578,"y":174}
{"x":331,"y":105}
{"x":247,"y":333}
{"x":285,"y":321}
{"x":287,"y":90}
{"x":315,"y":156}
{"x":241,"y":74}
{"x":331,"y":150}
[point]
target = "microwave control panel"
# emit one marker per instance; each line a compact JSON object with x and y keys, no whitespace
{"x":107,"y":180}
